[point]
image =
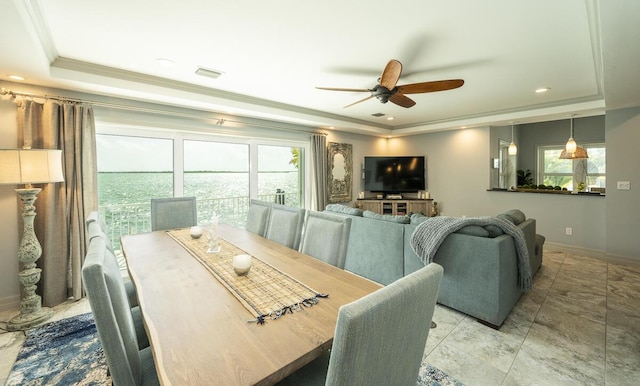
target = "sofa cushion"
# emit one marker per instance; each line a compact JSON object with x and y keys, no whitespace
{"x":417,"y":218}
{"x":474,"y":230}
{"x":386,"y":217}
{"x":494,"y":231}
{"x":515,"y":216}
{"x":339,"y":208}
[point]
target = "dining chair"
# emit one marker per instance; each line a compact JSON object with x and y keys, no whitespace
{"x":285,"y":225}
{"x":173,"y":212}
{"x":96,"y":227}
{"x":326,"y":237}
{"x":379,"y":339}
{"x":258,"y":216}
{"x":128,"y":365}
{"x":94,"y":231}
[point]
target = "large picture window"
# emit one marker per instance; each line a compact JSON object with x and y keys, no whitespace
{"x":223,"y":173}
{"x":572,"y":174}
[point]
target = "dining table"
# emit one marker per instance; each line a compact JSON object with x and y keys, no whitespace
{"x":199,"y":331}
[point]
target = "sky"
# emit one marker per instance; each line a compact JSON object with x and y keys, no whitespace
{"x":119,"y":153}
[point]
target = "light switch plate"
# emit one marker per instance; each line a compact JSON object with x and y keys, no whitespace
{"x":624,"y":185}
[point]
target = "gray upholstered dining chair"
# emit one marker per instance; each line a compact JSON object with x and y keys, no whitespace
{"x":128,"y":365}
{"x":326,"y":237}
{"x":173,"y":212}
{"x":285,"y":225}
{"x":380,"y":338}
{"x":96,"y":227}
{"x":258,"y":216}
{"x":94,"y":231}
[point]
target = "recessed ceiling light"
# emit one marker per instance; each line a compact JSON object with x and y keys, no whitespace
{"x":165,"y":62}
{"x":377,"y":115}
{"x":390,"y":118}
{"x":16,"y":77}
{"x":542,"y":90}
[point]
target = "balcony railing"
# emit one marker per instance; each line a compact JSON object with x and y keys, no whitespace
{"x":128,"y":219}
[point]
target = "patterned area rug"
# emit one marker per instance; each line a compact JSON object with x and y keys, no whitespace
{"x":431,"y":376}
{"x":68,"y":352}
{"x":64,"y":352}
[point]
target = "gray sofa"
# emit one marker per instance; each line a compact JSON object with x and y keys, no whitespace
{"x":480,"y":266}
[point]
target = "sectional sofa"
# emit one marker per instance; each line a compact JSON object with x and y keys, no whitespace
{"x":480,"y":263}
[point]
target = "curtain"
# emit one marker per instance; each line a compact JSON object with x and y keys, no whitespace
{"x":319,"y":173}
{"x":62,"y":207}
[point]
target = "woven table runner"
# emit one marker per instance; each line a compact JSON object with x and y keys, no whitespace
{"x":265,"y":291}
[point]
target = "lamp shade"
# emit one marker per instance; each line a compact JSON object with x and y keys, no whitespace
{"x":580,"y":153}
{"x":30,"y":166}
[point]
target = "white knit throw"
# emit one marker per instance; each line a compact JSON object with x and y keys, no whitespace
{"x":428,"y":236}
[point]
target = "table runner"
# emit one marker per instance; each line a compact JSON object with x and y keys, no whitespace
{"x":265,"y":291}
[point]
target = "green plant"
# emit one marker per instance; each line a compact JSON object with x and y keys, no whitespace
{"x":524,"y":177}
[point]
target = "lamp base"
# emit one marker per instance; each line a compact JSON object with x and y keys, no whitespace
{"x":28,"y":320}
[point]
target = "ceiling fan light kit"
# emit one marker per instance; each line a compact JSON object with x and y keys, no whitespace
{"x":387,"y":89}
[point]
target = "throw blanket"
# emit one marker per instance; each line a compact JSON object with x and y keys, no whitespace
{"x":428,"y":236}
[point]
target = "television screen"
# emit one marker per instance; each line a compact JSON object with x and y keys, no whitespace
{"x":394,"y":174}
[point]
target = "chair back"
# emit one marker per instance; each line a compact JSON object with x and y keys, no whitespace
{"x":258,"y":216}
{"x":285,"y":225}
{"x":173,"y":212}
{"x":326,"y":237}
{"x":380,"y":338}
{"x":95,"y":230}
{"x":95,"y":217}
{"x":110,"y":308}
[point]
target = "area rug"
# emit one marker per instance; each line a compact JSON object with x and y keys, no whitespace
{"x":68,"y":352}
{"x":431,"y":376}
{"x":64,"y":352}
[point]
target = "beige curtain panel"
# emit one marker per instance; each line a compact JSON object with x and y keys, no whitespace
{"x":62,"y":207}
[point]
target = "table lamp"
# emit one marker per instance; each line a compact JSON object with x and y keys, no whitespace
{"x":29,"y":166}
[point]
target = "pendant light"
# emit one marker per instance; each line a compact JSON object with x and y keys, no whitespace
{"x":513,"y":149}
{"x":571,"y":143}
{"x":571,"y":149}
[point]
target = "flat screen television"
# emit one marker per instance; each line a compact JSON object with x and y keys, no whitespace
{"x":394,"y":174}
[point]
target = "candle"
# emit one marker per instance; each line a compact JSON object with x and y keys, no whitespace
{"x":241,"y":264}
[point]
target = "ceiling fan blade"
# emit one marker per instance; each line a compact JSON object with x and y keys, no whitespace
{"x":402,"y":100}
{"x":344,"y":89}
{"x":361,"y":100}
{"x":438,"y":85}
{"x":391,"y":74}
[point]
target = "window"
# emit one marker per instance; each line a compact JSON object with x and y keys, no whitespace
{"x":572,"y":174}
{"x":223,"y":173}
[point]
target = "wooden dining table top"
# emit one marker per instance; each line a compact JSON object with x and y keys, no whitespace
{"x":200,"y":333}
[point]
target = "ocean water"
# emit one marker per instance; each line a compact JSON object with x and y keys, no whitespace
{"x":124,"y":198}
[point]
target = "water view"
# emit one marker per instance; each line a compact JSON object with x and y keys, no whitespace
{"x":124,"y":197}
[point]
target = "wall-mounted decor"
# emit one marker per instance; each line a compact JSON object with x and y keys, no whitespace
{"x":339,"y":173}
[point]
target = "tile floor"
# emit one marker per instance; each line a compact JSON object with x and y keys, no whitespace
{"x":580,"y":325}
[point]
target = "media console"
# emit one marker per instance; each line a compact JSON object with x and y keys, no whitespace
{"x":396,"y":207}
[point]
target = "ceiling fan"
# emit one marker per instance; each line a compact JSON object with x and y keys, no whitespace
{"x":387,"y":90}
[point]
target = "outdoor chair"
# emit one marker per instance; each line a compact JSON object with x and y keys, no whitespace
{"x":380,"y":338}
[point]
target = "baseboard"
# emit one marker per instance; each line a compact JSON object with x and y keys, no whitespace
{"x":10,"y":303}
{"x":595,"y":253}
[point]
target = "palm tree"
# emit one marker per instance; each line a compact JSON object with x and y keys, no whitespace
{"x":295,"y":157}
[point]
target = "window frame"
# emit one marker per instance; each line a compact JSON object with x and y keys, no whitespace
{"x":540,"y":176}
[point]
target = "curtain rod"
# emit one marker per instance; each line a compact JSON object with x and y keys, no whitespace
{"x":216,"y":121}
